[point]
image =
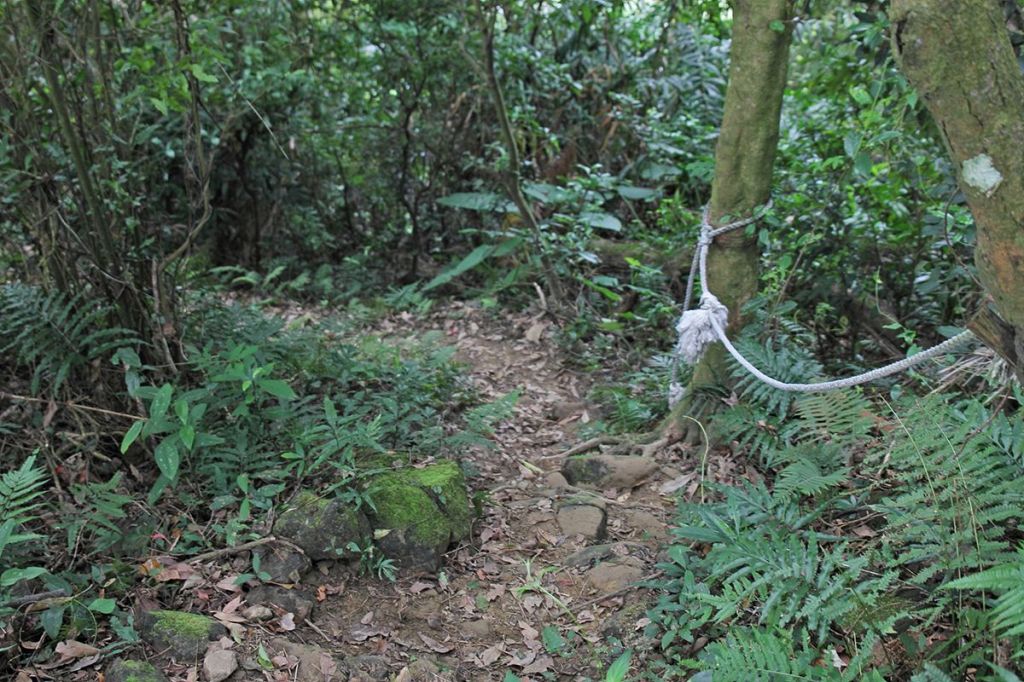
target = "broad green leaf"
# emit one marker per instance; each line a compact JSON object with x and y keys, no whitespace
{"x":161,"y":401}
{"x":472,"y":259}
{"x":553,"y":640}
{"x":603,"y":221}
{"x":637,"y":193}
{"x":167,"y":457}
{"x":131,"y":435}
{"x":201,"y":75}
{"x":617,"y":670}
{"x":102,"y":605}
{"x":277,"y":388}
{"x":52,"y":619}
{"x":16,"y":575}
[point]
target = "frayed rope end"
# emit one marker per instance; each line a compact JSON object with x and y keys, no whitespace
{"x":696,"y":331}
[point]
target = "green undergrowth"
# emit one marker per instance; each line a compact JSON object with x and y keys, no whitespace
{"x":258,"y":410}
{"x":884,"y":542}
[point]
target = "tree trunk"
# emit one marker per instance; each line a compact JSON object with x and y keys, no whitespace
{"x":744,"y":157}
{"x":959,"y":57}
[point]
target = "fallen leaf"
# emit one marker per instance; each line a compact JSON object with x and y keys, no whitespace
{"x":491,"y":654}
{"x":435,"y":646}
{"x":420,"y":586}
{"x":864,"y":532}
{"x":287,"y":622}
{"x":367,"y":619}
{"x":523,"y":661}
{"x":541,"y":665}
{"x":71,"y":648}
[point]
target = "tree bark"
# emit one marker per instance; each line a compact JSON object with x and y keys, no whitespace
{"x":959,"y":57}
{"x":744,"y":157}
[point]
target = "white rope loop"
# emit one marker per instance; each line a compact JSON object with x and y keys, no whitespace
{"x":698,"y":329}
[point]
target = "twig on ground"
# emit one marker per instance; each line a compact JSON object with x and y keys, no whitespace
{"x":245,"y":546}
{"x":37,"y":597}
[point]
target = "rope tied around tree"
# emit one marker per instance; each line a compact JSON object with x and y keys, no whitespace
{"x":697,"y":329}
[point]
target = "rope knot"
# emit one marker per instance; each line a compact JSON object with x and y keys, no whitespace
{"x":696,"y":328}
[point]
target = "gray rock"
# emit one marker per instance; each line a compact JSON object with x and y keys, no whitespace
{"x":609,"y":471}
{"x":649,"y":525}
{"x":283,"y":564}
{"x":368,"y":668}
{"x":219,"y":665}
{"x":587,"y":520}
{"x":588,"y":556}
{"x":183,"y":636}
{"x":616,"y":574}
{"x":322,"y":528}
{"x":127,"y":670}
{"x":292,"y":600}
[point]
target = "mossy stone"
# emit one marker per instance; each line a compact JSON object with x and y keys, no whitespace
{"x":322,"y":528}
{"x":134,"y":671}
{"x":182,"y":635}
{"x":423,"y":510}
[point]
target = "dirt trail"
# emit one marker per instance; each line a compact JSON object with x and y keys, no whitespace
{"x":544,"y":588}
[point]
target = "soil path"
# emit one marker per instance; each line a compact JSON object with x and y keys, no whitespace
{"x":546,"y":587}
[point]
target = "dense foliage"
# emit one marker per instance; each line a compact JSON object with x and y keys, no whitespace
{"x":170,"y":170}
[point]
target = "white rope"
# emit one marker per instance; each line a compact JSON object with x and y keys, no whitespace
{"x":699,"y":328}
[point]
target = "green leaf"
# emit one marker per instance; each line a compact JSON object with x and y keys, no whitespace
{"x":510,"y":677}
{"x":277,"y":388}
{"x":181,"y":410}
{"x":552,"y":638}
{"x":161,"y":401}
{"x":617,"y":670}
{"x":15,"y":575}
{"x":160,"y":105}
{"x":201,"y":75}
{"x":602,"y":221}
{"x":187,"y":433}
{"x":637,"y":193}
{"x":472,"y":259}
{"x":52,"y":619}
{"x":133,"y":433}
{"x":167,"y":457}
{"x":478,"y":201}
{"x":102,"y":605}
{"x":330,"y":411}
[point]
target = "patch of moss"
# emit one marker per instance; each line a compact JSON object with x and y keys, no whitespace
{"x":180,"y":623}
{"x":134,"y":671}
{"x":403,"y":506}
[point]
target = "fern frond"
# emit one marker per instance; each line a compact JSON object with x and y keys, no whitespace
{"x":760,"y":655}
{"x":20,"y":490}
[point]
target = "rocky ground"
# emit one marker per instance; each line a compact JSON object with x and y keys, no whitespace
{"x":545,"y":584}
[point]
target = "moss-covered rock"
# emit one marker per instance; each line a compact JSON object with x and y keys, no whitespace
{"x":134,"y":671}
{"x":184,"y":636}
{"x":322,"y":528}
{"x":423,"y":510}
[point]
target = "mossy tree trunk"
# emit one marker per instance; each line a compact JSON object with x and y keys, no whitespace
{"x":744,"y":157}
{"x":959,"y":57}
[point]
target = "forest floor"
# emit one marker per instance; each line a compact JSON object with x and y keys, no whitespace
{"x":541,"y":589}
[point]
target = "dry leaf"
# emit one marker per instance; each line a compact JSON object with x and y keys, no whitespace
{"x":367,"y":619}
{"x":541,"y":665}
{"x":420,"y":586}
{"x":287,"y":622}
{"x":491,"y":654}
{"x":435,"y":646}
{"x":71,"y":648}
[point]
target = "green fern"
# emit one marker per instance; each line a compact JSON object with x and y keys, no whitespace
{"x":760,"y":655}
{"x":55,"y":335}
{"x":1007,"y":581}
{"x":20,"y":490}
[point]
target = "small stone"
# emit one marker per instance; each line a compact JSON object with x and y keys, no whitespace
{"x":556,"y":480}
{"x":283,"y":564}
{"x":617,"y":574}
{"x":588,"y":556}
{"x":257,"y":612}
{"x":314,"y":664}
{"x":184,"y":636}
{"x":219,"y":665}
{"x":583,"y":519}
{"x":649,"y":525}
{"x":368,"y":668}
{"x":289,"y":600}
{"x":609,"y":471}
{"x":134,"y":671}
{"x":477,"y":629}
